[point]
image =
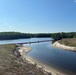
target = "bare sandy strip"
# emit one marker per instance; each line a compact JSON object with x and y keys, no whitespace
{"x":58,"y":45}
{"x":46,"y":69}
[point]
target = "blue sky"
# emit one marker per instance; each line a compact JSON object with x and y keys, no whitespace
{"x":38,"y":16}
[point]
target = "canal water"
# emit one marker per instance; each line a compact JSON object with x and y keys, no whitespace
{"x":47,"y":54}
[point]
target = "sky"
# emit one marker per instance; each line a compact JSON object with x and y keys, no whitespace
{"x":38,"y":16}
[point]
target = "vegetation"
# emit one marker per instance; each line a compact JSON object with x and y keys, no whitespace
{"x":58,"y":36}
{"x":11,"y":65}
{"x":18,"y":35}
{"x":13,"y":35}
{"x":68,"y":41}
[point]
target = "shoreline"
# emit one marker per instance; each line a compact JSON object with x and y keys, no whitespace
{"x":62,"y":46}
{"x":23,"y":50}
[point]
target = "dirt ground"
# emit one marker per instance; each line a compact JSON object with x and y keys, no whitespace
{"x":68,"y":41}
{"x":11,"y":64}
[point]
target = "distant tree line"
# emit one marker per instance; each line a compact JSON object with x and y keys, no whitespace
{"x":18,"y":35}
{"x":13,"y":35}
{"x":58,"y":36}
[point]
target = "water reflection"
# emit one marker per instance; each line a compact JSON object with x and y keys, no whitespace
{"x":59,"y":58}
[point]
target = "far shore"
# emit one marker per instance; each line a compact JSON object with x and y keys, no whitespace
{"x":62,"y":46}
{"x":23,"y":50}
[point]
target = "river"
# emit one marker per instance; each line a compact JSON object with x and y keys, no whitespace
{"x":45,"y":53}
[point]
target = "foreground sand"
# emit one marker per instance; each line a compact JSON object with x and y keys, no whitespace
{"x":58,"y":45}
{"x":46,"y":69}
{"x":11,"y":62}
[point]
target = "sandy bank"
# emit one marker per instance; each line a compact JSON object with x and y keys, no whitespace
{"x":46,"y":69}
{"x":58,"y":45}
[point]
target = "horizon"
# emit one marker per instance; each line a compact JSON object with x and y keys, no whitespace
{"x":36,"y":33}
{"x":38,"y":16}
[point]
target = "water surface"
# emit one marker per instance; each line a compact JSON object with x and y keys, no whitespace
{"x":47,"y":54}
{"x":57,"y":58}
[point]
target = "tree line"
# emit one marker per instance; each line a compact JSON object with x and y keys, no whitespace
{"x":58,"y":36}
{"x":18,"y":35}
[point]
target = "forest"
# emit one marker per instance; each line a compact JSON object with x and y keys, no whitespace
{"x":59,"y":36}
{"x":19,"y":35}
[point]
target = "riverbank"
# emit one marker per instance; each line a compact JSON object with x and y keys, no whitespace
{"x":23,"y":50}
{"x":11,"y":62}
{"x":46,"y":69}
{"x":57,"y":44}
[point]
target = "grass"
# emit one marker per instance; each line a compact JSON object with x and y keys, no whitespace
{"x":68,"y":41}
{"x":11,"y":65}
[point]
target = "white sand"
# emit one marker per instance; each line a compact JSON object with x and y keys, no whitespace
{"x":25,"y":49}
{"x":58,"y":45}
